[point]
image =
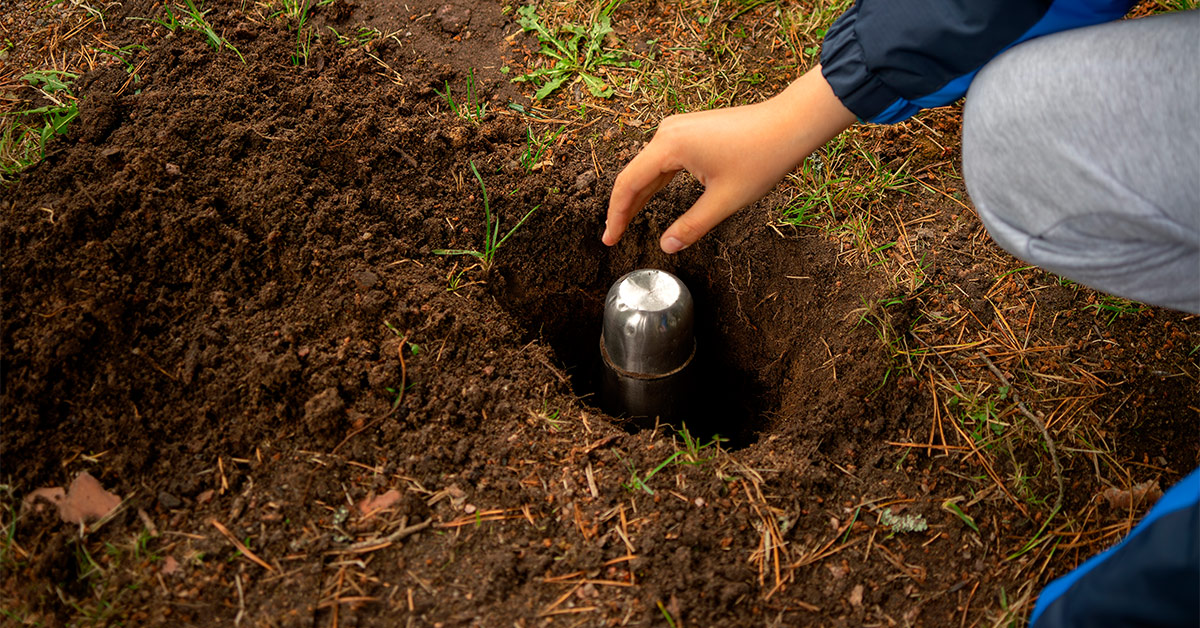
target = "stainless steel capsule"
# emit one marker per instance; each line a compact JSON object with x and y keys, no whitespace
{"x":647,"y":344}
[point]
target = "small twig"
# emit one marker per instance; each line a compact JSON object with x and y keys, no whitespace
{"x":240,"y":546}
{"x":148,"y":522}
{"x":557,"y":373}
{"x":364,"y":428}
{"x":550,"y":610}
{"x":237,"y":578}
{"x":374,"y":544}
{"x":347,"y":600}
{"x":939,"y":356}
{"x":1040,"y":425}
{"x":832,"y":363}
{"x":967,"y":606}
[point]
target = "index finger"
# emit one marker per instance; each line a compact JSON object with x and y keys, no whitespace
{"x":640,"y":179}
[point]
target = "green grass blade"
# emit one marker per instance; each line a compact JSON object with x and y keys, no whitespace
{"x":549,"y":86}
{"x":489,"y":246}
{"x":967,"y":519}
{"x":518,"y":226}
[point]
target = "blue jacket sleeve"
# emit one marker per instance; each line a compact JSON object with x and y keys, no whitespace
{"x":888,"y":59}
{"x":1152,"y":578}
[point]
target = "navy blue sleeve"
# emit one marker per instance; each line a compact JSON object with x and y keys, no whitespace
{"x":888,"y":59}
{"x":1152,"y":578}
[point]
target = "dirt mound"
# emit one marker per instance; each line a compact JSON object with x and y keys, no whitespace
{"x":221,"y":296}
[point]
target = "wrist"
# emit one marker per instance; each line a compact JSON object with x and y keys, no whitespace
{"x":809,"y":114}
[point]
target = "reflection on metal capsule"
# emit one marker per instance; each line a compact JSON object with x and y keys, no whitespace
{"x":647,"y":343}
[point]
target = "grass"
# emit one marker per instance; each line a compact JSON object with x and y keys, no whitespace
{"x":110,"y":575}
{"x":297,"y":13}
{"x":952,"y":507}
{"x":491,"y":230}
{"x":1176,"y":5}
{"x":803,"y":27}
{"x":537,"y":147}
{"x":980,"y":415}
{"x":576,"y":52}
{"x":991,"y":420}
{"x":25,"y":133}
{"x":550,"y":417}
{"x":457,"y":279}
{"x":363,"y":35}
{"x":707,"y":55}
{"x":666,"y":614}
{"x":1115,"y":307}
{"x":297,"y":10}
{"x":842,"y":178}
{"x":895,"y":342}
{"x":473,"y":108}
{"x":692,"y":453}
{"x":192,"y":18}
{"x":1013,"y":612}
{"x":120,"y":55}
{"x":638,"y":481}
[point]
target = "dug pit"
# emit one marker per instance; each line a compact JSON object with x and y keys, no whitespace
{"x":780,"y":340}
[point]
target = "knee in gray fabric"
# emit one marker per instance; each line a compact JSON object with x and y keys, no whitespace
{"x":1072,"y":156}
{"x":992,"y":140}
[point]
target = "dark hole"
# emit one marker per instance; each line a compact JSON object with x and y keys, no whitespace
{"x":729,"y":397}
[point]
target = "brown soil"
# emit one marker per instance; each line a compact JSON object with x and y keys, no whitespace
{"x":202,"y":290}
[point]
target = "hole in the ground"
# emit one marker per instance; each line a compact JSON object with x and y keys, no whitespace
{"x":729,"y":395}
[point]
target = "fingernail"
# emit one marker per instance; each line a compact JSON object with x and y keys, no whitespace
{"x":604,"y":238}
{"x":671,"y":244}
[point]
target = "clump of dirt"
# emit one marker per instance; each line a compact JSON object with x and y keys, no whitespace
{"x":221,"y":297}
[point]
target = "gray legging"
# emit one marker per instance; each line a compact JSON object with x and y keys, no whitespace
{"x":1081,"y":151}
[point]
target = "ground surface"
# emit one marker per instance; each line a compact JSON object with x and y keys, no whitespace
{"x":221,"y":299}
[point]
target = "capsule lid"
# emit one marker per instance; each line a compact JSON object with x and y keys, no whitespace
{"x":648,"y":323}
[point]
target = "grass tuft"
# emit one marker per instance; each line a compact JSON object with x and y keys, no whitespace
{"x":842,"y":177}
{"x":473,"y":108}
{"x":537,"y":147}
{"x":576,"y":53}
{"x":491,"y":230}
{"x":25,"y":133}
{"x":1115,"y":307}
{"x":192,"y":18}
{"x":692,"y":454}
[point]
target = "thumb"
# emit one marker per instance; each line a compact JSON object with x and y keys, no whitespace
{"x":713,"y":206}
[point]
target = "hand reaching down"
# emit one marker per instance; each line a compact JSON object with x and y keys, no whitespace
{"x":738,"y":154}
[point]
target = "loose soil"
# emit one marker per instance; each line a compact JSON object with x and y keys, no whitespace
{"x":220,"y":298}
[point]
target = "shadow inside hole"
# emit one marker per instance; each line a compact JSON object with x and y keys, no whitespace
{"x":725,"y":394}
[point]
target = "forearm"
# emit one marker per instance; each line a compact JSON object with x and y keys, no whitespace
{"x":806,"y":115}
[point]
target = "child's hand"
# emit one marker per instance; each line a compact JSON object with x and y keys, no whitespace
{"x":738,"y":154}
